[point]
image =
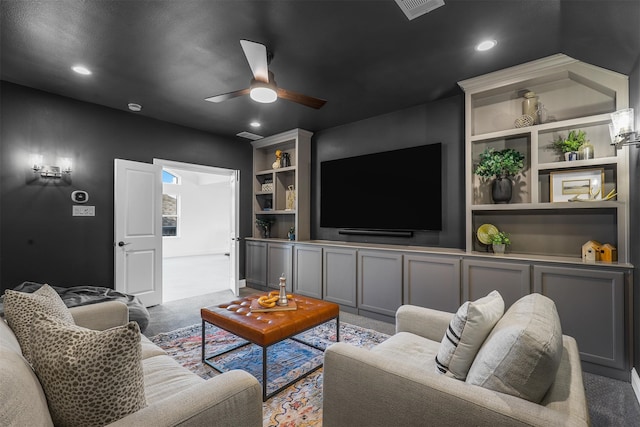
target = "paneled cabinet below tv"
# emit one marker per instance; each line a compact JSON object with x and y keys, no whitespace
{"x":593,"y":300}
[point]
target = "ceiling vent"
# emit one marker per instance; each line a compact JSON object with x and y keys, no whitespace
{"x":249,"y":135}
{"x":415,"y":8}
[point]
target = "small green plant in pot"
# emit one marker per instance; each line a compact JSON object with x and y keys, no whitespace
{"x":501,"y":165}
{"x":571,"y":144}
{"x":500,"y":241}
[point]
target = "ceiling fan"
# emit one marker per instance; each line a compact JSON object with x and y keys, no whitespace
{"x":263,"y":87}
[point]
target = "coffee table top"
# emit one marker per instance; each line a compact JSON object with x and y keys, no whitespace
{"x":268,"y":328}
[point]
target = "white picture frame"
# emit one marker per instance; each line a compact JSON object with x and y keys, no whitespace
{"x":585,"y":184}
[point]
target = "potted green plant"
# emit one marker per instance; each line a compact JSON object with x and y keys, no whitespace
{"x":569,"y":146}
{"x":499,"y":242}
{"x":501,"y":165}
{"x":265,"y":226}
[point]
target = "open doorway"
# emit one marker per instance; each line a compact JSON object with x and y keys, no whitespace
{"x":198,"y":229}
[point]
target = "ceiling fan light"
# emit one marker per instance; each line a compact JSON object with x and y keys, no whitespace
{"x":263,"y":94}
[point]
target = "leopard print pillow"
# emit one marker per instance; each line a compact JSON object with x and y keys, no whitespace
{"x":19,"y":308}
{"x":90,"y":378}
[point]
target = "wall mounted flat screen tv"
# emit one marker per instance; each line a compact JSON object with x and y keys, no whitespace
{"x":392,"y":190}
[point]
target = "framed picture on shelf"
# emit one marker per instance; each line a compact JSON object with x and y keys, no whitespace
{"x":584,"y":184}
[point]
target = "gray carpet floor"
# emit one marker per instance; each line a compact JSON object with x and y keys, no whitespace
{"x":611,"y":402}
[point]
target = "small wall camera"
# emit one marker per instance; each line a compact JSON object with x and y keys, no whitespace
{"x":80,"y":196}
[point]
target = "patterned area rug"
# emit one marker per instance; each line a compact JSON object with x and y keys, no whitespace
{"x":298,"y":405}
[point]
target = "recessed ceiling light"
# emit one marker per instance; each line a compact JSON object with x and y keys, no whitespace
{"x":81,"y":69}
{"x":486,"y":45}
{"x":255,"y":124}
{"x":134,"y":107}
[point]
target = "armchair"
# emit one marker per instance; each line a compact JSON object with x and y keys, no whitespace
{"x":395,"y":383}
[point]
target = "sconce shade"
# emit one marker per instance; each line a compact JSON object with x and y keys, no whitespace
{"x":622,"y":128}
{"x":36,"y":163}
{"x":622,"y":121}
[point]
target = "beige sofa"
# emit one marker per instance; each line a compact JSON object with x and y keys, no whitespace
{"x":174,"y":395}
{"x":395,"y":384}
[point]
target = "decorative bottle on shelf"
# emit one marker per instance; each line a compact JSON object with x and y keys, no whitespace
{"x":529,"y":104}
{"x":282,"y":297}
{"x":586,"y":151}
{"x":542,"y":114}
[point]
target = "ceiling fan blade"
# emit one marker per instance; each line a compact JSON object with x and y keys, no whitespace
{"x":256,"y":54}
{"x":225,"y":96}
{"x":309,"y":101}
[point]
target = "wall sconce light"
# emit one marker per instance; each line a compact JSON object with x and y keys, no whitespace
{"x":622,"y":128}
{"x":49,"y":171}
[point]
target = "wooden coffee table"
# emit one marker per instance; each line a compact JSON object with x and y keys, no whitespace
{"x":266,"y":329}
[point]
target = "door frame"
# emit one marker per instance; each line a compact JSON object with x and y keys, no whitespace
{"x":234,"y":254}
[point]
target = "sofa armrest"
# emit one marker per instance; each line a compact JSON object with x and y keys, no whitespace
{"x":425,"y":322}
{"x":231,"y":399}
{"x":361,"y":387}
{"x":101,"y":316}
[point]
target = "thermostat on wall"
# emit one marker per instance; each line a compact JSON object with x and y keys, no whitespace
{"x":80,"y":196}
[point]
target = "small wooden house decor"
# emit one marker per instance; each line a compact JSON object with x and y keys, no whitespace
{"x":608,"y":253}
{"x":591,"y":251}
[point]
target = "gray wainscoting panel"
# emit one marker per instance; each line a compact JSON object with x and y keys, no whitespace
{"x":512,"y":280}
{"x":590,"y":304}
{"x":339,"y":275}
{"x":432,"y":281}
{"x":279,"y":258}
{"x":256,"y":263}
{"x":307,"y":270}
{"x":379,"y":281}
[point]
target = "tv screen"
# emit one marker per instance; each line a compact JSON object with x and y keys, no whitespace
{"x":391,"y":190}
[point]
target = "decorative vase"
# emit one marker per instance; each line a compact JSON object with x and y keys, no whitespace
{"x":266,"y":232}
{"x":585,"y":151}
{"x":501,"y":189}
{"x":571,"y":155}
{"x":530,"y":104}
{"x":498,"y":249}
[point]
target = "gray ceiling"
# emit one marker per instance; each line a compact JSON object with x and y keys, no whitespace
{"x":364,"y":57}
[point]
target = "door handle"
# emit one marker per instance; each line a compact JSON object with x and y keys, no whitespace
{"x":121,"y":243}
{"x":236,"y":238}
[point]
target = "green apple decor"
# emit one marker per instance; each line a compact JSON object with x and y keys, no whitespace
{"x":501,"y":165}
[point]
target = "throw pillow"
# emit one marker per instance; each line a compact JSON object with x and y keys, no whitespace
{"x":90,"y":378}
{"x":522,"y":354}
{"x":468,"y":329}
{"x":19,"y":308}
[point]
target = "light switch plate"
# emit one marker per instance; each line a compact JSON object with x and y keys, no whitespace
{"x":84,"y":211}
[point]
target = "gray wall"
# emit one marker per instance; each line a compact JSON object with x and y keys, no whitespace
{"x":39,"y":239}
{"x":439,"y":121}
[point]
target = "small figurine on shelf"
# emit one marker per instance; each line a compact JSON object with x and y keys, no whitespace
{"x":292,"y":233}
{"x":278,"y":162}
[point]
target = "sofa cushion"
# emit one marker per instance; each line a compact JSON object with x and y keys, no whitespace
{"x":164,"y":377}
{"x":522,"y":354}
{"x":468,"y":329}
{"x":20,"y":306}
{"x":90,"y":378}
{"x":22,"y":401}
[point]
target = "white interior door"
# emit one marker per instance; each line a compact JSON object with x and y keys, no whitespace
{"x":138,"y":230}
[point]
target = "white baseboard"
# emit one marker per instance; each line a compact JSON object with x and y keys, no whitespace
{"x":635,"y":383}
{"x":242,"y":283}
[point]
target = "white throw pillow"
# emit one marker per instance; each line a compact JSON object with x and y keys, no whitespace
{"x":522,"y":354}
{"x":468,"y":329}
